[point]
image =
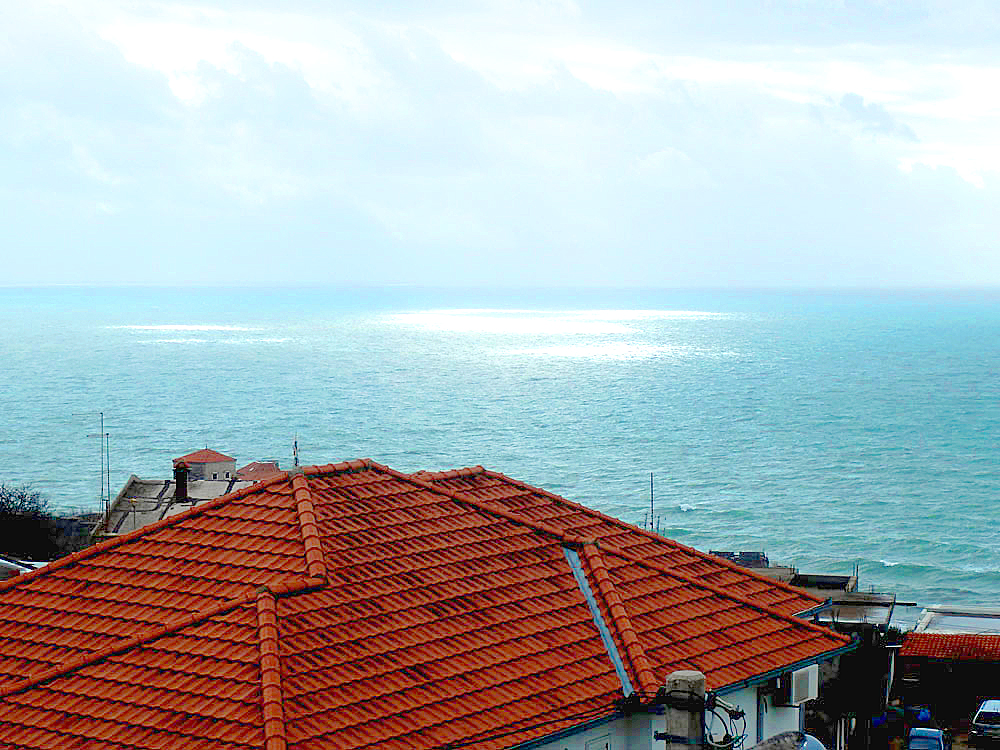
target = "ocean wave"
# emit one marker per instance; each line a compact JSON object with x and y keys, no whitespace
{"x":595,"y":314}
{"x":227,"y":342}
{"x":185,"y":327}
{"x":610,"y":350}
{"x":614,"y":350}
{"x":538,"y":322}
{"x":534,"y":325}
{"x":649,"y":314}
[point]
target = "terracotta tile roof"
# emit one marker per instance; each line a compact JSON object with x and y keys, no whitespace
{"x":952,"y":646}
{"x":257,"y":470}
{"x":204,"y":456}
{"x":539,"y":505}
{"x":353,"y":606}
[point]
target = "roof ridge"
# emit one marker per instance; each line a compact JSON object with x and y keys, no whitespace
{"x":620,"y":618}
{"x":272,"y":698}
{"x":496,"y":510}
{"x":121,"y":539}
{"x":353,"y":465}
{"x":305,"y":512}
{"x":689,"y":579}
{"x":193,"y":618}
{"x":661,"y":539}
{"x":465,"y":471}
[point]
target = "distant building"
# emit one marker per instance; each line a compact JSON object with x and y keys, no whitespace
{"x":208,"y":464}
{"x":199,"y":476}
{"x":951,"y":660}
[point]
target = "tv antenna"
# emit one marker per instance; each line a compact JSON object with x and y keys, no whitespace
{"x":105,"y":438}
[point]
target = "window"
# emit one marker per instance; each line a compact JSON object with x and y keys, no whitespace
{"x":227,"y":475}
{"x":215,"y":475}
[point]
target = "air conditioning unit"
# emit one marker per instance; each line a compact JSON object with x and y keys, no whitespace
{"x":797,"y":687}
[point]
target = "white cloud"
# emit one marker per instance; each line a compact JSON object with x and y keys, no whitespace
{"x":539,"y":140}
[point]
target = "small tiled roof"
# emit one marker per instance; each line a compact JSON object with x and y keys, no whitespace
{"x":952,"y":646}
{"x":204,"y":456}
{"x":257,"y":470}
{"x":353,"y":606}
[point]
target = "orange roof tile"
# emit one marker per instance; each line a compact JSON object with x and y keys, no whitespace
{"x":545,"y":507}
{"x":204,"y":456}
{"x":952,"y":646}
{"x":353,"y":606}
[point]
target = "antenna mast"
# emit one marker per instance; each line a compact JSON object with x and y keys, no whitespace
{"x":105,"y":438}
{"x":650,"y":501}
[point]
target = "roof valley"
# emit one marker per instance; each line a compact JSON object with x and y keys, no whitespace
{"x":620,"y":619}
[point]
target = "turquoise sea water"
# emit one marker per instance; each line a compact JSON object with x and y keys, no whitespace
{"x":826,"y":429}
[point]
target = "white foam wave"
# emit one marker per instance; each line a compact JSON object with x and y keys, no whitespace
{"x":185,"y":327}
{"x":888,"y":563}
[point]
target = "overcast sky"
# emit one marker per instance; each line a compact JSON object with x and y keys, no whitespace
{"x":659,"y":143}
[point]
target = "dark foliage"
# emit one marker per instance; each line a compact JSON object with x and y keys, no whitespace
{"x":29,"y":531}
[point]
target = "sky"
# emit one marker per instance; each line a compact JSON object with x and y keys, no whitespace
{"x":779,"y":143}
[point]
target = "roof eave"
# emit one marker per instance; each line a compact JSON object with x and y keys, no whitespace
{"x":568,"y":731}
{"x":757,"y":679}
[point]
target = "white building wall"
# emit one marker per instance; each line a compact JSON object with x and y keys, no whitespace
{"x":764,"y":719}
{"x":636,"y":732}
{"x":630,"y":733}
{"x":216,"y":470}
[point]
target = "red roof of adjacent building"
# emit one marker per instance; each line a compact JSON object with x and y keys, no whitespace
{"x":952,"y":646}
{"x":204,"y":456}
{"x":354,"y":606}
{"x":257,"y":470}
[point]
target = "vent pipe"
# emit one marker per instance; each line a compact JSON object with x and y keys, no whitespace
{"x":181,"y":480}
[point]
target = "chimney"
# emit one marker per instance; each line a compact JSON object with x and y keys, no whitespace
{"x":181,"y":480}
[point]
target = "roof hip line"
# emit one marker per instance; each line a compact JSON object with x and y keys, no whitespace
{"x":771,"y":611}
{"x":620,"y":619}
{"x":661,"y":539}
{"x":575,"y":540}
{"x":495,"y":510}
{"x":272,"y":699}
{"x":306,"y":514}
{"x":275,"y":589}
{"x":120,"y":539}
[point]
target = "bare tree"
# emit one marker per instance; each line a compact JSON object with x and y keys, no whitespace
{"x":27,"y":529}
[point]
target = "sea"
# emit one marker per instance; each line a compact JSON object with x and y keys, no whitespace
{"x":835,"y":431}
